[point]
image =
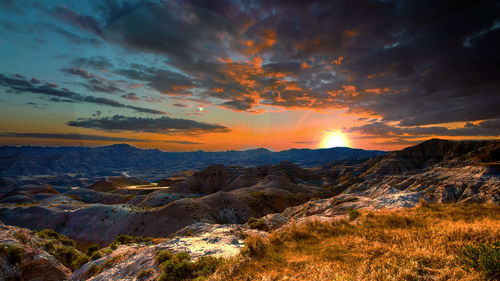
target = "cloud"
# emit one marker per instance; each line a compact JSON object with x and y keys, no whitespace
{"x":20,"y":84}
{"x":72,"y":37}
{"x":162,"y":80}
{"x":488,"y":128}
{"x":378,"y":58}
{"x":94,"y":83}
{"x":240,"y":104}
{"x":162,"y":125}
{"x":131,"y":96}
{"x":85,"y":22}
{"x":73,"y":136}
{"x":182,"y":142}
{"x":95,"y":62}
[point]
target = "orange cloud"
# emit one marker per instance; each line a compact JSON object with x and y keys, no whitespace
{"x":338,"y":61}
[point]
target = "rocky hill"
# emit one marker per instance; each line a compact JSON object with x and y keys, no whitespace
{"x":81,"y":166}
{"x":218,"y":194}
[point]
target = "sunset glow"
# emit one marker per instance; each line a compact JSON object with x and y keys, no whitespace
{"x":188,"y":75}
{"x":334,"y":139}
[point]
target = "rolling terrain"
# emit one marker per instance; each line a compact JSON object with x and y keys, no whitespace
{"x":222,"y":203}
{"x":81,"y":166}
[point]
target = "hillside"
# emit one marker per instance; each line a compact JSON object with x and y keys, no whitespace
{"x":423,"y":243}
{"x":80,"y":166}
{"x":222,"y":202}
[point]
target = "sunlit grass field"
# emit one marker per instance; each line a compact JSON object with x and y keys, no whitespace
{"x":423,"y":243}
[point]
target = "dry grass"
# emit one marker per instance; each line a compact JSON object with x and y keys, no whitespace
{"x":413,"y":244}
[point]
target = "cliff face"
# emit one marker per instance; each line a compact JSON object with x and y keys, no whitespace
{"x":432,"y":152}
{"x":434,"y":171}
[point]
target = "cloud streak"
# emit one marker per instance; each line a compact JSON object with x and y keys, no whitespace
{"x":162,"y":125}
{"x":20,"y":84}
{"x":70,"y":136}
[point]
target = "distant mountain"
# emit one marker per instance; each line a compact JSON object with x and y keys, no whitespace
{"x":71,"y":164}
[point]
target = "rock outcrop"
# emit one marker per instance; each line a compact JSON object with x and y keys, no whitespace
{"x":34,"y":262}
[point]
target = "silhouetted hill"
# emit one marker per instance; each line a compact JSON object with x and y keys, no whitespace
{"x":148,"y":164}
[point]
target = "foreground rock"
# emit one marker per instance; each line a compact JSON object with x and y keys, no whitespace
{"x":198,"y":240}
{"x":34,"y":264}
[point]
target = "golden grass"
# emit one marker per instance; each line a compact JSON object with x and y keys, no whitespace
{"x":412,"y":244}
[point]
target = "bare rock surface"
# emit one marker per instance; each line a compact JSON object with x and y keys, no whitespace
{"x":36,"y":264}
{"x":198,"y":240}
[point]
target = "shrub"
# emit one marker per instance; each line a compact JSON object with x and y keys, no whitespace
{"x":81,"y":260}
{"x":145,"y":273}
{"x":353,"y":214}
{"x":49,"y":246}
{"x":204,"y":266}
{"x":97,"y":255}
{"x":95,"y":269}
{"x":13,"y":253}
{"x":21,"y":237}
{"x":51,"y":234}
{"x":483,"y":258}
{"x":114,"y":245}
{"x":163,"y":255}
{"x":177,"y":270}
{"x":127,"y":239}
{"x":67,"y":256}
{"x":254,"y":246}
{"x":91,"y":249}
{"x":257,"y":224}
{"x":180,"y":267}
{"x":112,"y":261}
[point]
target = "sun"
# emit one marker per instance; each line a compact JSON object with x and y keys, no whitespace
{"x":334,"y":139}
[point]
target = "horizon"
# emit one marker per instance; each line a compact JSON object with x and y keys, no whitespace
{"x":247,"y":149}
{"x":183,"y":76}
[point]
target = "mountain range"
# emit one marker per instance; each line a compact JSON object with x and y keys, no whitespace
{"x":81,"y":166}
{"x":209,"y":212}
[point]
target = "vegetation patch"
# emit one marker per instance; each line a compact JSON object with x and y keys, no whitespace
{"x":69,"y":257}
{"x":51,"y":234}
{"x":181,"y":267}
{"x":353,"y":214}
{"x":92,"y":249}
{"x":483,"y":258}
{"x":127,"y":240}
{"x":145,"y":273}
{"x":63,"y":249}
{"x":429,"y":242}
{"x":13,"y":253}
{"x":257,"y":224}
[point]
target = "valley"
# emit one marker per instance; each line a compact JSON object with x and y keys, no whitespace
{"x":211,"y":212}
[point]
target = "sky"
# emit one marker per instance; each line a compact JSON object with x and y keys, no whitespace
{"x":233,"y":75}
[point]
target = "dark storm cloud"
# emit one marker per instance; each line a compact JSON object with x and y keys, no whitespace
{"x":412,"y":62}
{"x":489,"y":128}
{"x":20,"y":84}
{"x":70,"y":137}
{"x":239,"y":105}
{"x":162,"y":80}
{"x":162,"y":125}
